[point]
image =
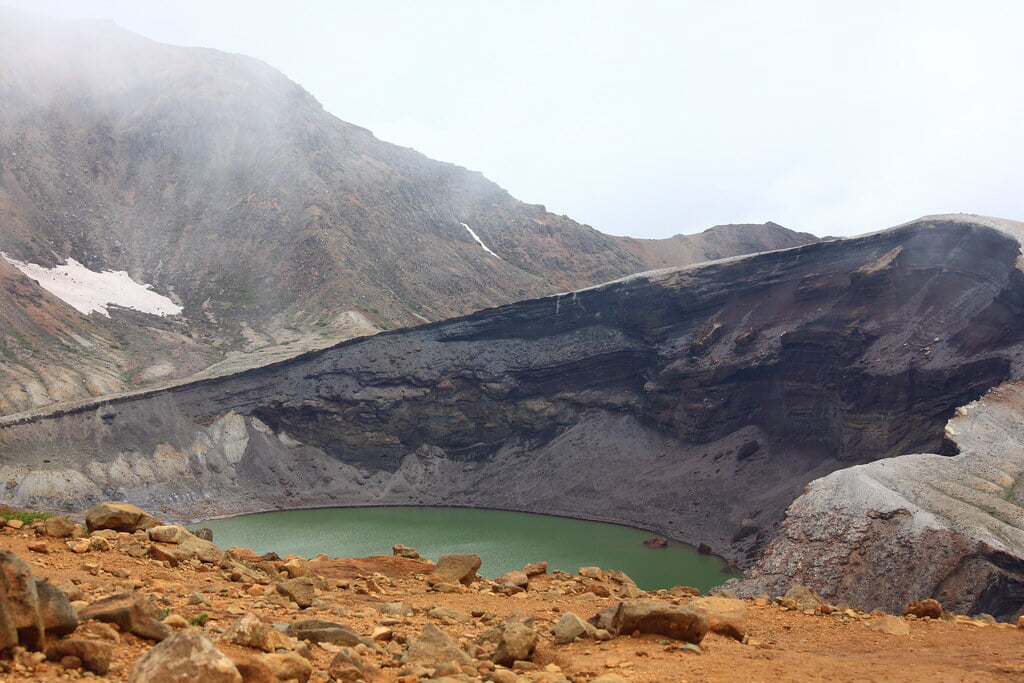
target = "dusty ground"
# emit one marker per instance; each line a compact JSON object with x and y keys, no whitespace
{"x":784,"y":645}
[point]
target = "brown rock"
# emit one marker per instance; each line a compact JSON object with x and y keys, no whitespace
{"x":300,"y":590}
{"x":804,"y":597}
{"x":569,"y":627}
{"x":894,"y":626}
{"x":680,"y":622}
{"x":591,"y":572}
{"x":516,"y":578}
{"x":249,"y":631}
{"x":405,"y":551}
{"x":296,"y":567}
{"x":926,"y":608}
{"x":132,"y":612}
{"x":39,"y":547}
{"x":59,"y":617}
{"x":459,"y":568}
{"x":59,"y":527}
{"x":119,"y":517}
{"x":253,"y":669}
{"x":185,"y":657}
{"x":93,"y":655}
{"x":656,"y":542}
{"x":322,"y":631}
{"x":726,"y":616}
{"x":14,"y":523}
{"x":174,"y":534}
{"x":536,"y":568}
{"x":433,"y":647}
{"x":349,"y":665}
{"x":19,"y":604}
{"x":288,"y":666}
{"x":516,"y":644}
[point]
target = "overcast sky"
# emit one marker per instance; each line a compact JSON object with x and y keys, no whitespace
{"x":656,"y":118}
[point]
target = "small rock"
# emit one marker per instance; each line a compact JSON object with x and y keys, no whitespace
{"x":926,"y":608}
{"x":536,"y":568}
{"x":570,"y":627}
{"x":516,"y":578}
{"x":186,"y":656}
{"x":405,"y":551}
{"x":253,"y":669}
{"x":99,"y":543}
{"x":93,"y":655}
{"x":506,"y":676}
{"x":300,"y":590}
{"x":894,"y":626}
{"x":174,"y":534}
{"x":14,"y":524}
{"x":656,"y":542}
{"x":349,"y":665}
{"x":204,"y":533}
{"x":448,"y":614}
{"x":20,"y":621}
{"x":517,"y":643}
{"x":249,"y":631}
{"x":382,"y":633}
{"x":691,"y":648}
{"x":39,"y":547}
{"x":296,"y":567}
{"x":176,"y":621}
{"x":397,"y":608}
{"x":591,"y":572}
{"x":454,"y":569}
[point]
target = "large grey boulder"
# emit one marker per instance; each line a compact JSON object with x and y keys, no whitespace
{"x":119,"y":517}
{"x":185,"y":657}
{"x":455,"y":569}
{"x":680,"y":622}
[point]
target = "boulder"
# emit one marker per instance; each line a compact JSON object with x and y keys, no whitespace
{"x":132,"y":612}
{"x":433,"y":647}
{"x":569,"y":627}
{"x":804,"y":597}
{"x":591,"y":572}
{"x":204,"y":533}
{"x":296,"y":567}
{"x":249,"y":631}
{"x":94,"y":655}
{"x":185,"y":657}
{"x":405,"y":551}
{"x":300,"y":590}
{"x":454,"y":569}
{"x":926,"y":608}
{"x":19,"y":604}
{"x":59,"y":527}
{"x":59,"y":617}
{"x":727,"y":616}
{"x":680,"y":622}
{"x":516,"y":643}
{"x":119,"y":517}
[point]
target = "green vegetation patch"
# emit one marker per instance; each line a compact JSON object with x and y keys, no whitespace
{"x":7,"y":512}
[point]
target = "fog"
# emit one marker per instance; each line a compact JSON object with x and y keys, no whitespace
{"x":656,"y":118}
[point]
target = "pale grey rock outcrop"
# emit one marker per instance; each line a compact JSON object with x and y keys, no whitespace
{"x":915,"y":526}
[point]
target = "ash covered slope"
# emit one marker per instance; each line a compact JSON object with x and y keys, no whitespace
{"x":697,"y":402}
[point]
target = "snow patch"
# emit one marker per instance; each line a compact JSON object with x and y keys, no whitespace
{"x":88,"y":291}
{"x":479,"y":241}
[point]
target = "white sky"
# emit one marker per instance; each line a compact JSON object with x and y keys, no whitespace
{"x":652,"y":118}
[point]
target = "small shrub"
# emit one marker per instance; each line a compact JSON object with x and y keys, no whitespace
{"x":199,"y":619}
{"x":7,"y":512}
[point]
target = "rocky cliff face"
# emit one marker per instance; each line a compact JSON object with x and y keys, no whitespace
{"x":227,"y":188}
{"x":694,"y":402}
{"x":887,"y":532}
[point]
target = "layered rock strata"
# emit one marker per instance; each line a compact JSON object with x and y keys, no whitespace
{"x":695,"y":402}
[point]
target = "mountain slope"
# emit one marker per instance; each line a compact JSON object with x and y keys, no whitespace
{"x":720,"y":241}
{"x":694,"y":402}
{"x":227,"y":189}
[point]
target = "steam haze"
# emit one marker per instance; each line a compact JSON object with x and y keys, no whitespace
{"x":656,"y":118}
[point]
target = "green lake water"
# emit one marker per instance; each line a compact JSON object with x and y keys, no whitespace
{"x":504,"y":540}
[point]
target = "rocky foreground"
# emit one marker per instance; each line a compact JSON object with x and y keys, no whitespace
{"x":128,"y":598}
